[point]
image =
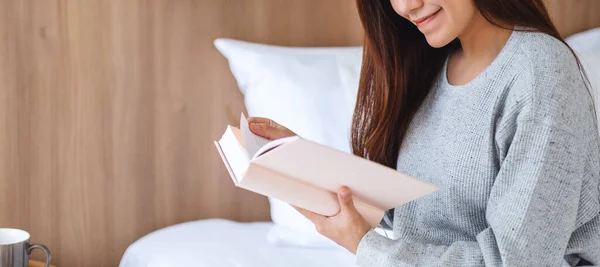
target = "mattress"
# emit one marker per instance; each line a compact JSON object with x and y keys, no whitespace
{"x":223,"y":243}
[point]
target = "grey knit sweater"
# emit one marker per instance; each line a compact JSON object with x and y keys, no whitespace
{"x":515,"y":153}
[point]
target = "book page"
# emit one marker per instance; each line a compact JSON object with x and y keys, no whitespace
{"x":273,"y":144}
{"x":234,"y":156}
{"x":252,"y":142}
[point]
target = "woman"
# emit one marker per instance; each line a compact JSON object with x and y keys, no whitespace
{"x":483,"y":99}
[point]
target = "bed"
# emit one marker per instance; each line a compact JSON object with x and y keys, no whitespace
{"x":224,"y":243}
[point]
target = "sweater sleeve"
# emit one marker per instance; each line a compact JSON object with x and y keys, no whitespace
{"x":531,"y":212}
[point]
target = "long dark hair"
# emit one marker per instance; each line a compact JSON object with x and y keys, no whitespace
{"x":399,"y":68}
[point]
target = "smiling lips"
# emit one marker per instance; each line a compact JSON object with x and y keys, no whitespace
{"x":423,"y":21}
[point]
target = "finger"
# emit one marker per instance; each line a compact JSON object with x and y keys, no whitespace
{"x":346,"y":200}
{"x":314,"y":217}
{"x":259,"y":129}
{"x":257,"y":120}
{"x":265,"y":128}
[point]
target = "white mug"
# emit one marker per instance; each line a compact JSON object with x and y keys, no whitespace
{"x":15,"y":248}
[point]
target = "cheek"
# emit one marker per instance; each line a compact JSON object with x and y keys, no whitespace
{"x":444,"y":33}
{"x":397,"y":6}
{"x":454,"y":19}
{"x":459,"y":13}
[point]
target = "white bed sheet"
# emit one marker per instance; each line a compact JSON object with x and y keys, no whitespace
{"x":223,"y":243}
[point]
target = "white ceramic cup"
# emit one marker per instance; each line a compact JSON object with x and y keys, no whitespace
{"x":15,"y":248}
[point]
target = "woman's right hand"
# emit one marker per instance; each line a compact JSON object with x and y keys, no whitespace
{"x":268,"y":129}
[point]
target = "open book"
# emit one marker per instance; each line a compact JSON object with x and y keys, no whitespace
{"x":308,"y":175}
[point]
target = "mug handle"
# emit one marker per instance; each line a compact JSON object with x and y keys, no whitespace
{"x":41,"y":247}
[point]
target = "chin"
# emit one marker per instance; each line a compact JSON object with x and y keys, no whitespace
{"x":438,"y":40}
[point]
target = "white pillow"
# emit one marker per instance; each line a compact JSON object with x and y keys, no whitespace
{"x":587,"y":47}
{"x":312,"y":91}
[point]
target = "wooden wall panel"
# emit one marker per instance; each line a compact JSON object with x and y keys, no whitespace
{"x":573,"y":16}
{"x":108,"y":109}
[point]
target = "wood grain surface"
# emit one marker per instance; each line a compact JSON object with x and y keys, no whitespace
{"x":108,"y":110}
{"x":573,"y":16}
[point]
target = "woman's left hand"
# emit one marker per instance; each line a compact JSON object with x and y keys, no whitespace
{"x":346,"y":228}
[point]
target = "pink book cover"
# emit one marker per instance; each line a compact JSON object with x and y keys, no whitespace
{"x":307,"y":175}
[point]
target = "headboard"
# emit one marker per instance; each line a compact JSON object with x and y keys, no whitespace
{"x":109,"y":109}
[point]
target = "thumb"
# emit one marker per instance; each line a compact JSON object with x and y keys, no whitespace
{"x":261,"y":129}
{"x":267,"y":129}
{"x":345,"y":199}
{"x":264,"y":130}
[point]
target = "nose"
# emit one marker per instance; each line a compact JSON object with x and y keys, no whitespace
{"x":405,"y":7}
